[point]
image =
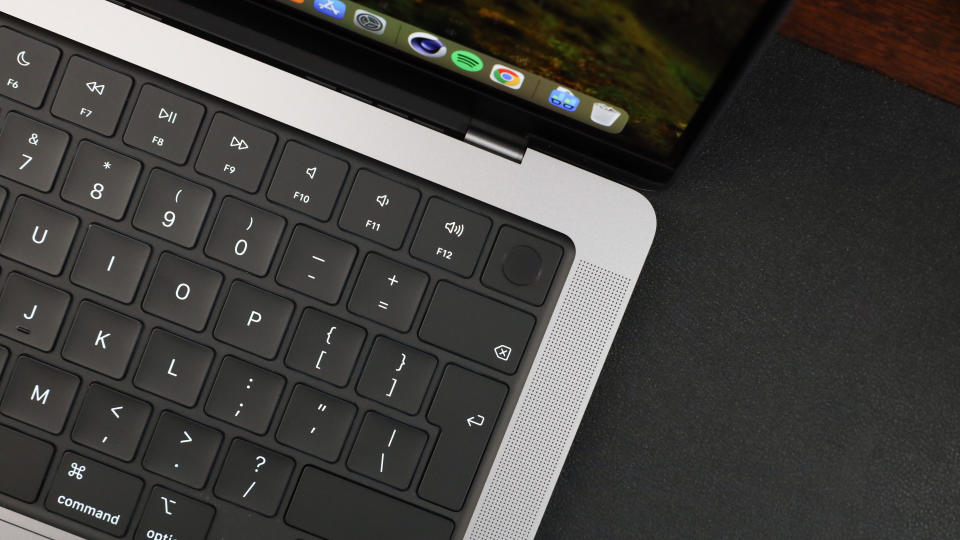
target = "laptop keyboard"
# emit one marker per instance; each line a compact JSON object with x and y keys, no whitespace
{"x":212,"y":321}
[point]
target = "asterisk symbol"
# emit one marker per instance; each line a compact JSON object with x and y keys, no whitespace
{"x":106,"y":165}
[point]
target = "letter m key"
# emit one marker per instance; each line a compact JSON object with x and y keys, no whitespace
{"x":40,"y":397}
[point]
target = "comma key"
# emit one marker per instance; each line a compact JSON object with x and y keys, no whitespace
{"x":94,"y":494}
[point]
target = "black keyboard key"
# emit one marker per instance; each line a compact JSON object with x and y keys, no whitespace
{"x":379,"y":209}
{"x":92,"y":96}
{"x":26,"y":67}
{"x":31,"y":152}
{"x":522,"y":265}
{"x":325,"y":347}
{"x":182,"y":292}
{"x":174,"y":367}
{"x":316,"y":265}
{"x":4,"y":355}
{"x":39,"y":394}
{"x":244,"y":395}
{"x":357,"y":512}
{"x":110,"y":263}
{"x":102,"y":340}
{"x":451,"y":237}
{"x":101,"y":180}
{"x":397,"y":375}
{"x":308,"y":181}
{"x":23,"y":464}
{"x":388,"y":292}
{"x":39,"y":235}
{"x":236,"y":152}
{"x":245,"y":236}
{"x":32,"y":312}
{"x":111,"y":422}
{"x":254,"y":477}
{"x":476,"y":327}
{"x":254,"y":320}
{"x":172,"y":516}
{"x":94,"y":494}
{"x":164,"y":124}
{"x":316,"y":423}
{"x":173,"y":208}
{"x":182,"y":450}
{"x":466,"y":409}
{"x":387,"y":451}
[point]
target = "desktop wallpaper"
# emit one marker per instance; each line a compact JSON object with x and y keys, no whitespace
{"x":656,"y":58}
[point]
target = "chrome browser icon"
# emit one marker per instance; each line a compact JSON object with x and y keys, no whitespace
{"x":505,"y":76}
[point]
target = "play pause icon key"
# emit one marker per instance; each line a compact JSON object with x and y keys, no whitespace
{"x":169,"y":116}
{"x":164,"y":124}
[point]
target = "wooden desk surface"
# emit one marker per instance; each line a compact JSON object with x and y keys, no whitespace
{"x":916,"y":42}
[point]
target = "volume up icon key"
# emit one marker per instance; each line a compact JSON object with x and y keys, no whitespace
{"x":454,"y":228}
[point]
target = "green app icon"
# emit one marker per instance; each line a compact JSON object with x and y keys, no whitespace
{"x":467,"y":61}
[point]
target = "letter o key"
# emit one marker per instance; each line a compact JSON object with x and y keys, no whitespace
{"x":182,"y":292}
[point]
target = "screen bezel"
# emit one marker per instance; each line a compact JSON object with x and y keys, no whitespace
{"x":441,"y":98}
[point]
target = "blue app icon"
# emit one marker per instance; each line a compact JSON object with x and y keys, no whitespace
{"x":331,"y":8}
{"x":564,"y":99}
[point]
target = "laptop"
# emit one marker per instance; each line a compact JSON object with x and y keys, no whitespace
{"x":288,"y":269}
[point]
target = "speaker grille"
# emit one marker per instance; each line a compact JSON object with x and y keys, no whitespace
{"x":553,"y":401}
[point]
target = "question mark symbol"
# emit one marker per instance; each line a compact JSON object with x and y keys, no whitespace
{"x":261,"y":461}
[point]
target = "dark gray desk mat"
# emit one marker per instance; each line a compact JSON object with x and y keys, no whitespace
{"x":789,"y":366}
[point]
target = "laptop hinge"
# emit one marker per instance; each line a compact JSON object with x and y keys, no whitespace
{"x":496,"y":141}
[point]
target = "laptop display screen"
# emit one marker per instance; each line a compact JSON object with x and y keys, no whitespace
{"x":636,"y":70}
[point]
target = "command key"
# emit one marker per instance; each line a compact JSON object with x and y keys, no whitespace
{"x":94,"y":494}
